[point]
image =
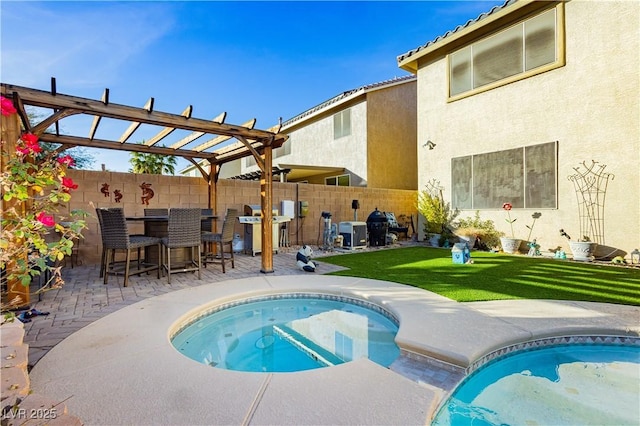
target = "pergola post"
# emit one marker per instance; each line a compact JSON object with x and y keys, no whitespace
{"x":266,"y":201}
{"x":212,"y":180}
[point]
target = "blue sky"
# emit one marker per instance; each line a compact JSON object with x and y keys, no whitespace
{"x":262,"y":60}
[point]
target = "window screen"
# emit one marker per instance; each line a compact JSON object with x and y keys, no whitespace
{"x":516,"y":50}
{"x":525,"y":177}
{"x":540,"y":40}
{"x":460,"y":65}
{"x":498,"y":57}
{"x":498,"y":178}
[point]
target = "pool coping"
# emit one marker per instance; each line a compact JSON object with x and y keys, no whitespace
{"x":116,"y":370}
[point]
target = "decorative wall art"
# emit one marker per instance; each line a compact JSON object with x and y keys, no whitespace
{"x":147,"y":193}
{"x":105,"y":189}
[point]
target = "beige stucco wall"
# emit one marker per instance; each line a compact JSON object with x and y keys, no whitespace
{"x":313,"y":144}
{"x":590,"y":106}
{"x":392,"y":143}
{"x":180,"y":191}
{"x":379,"y":152}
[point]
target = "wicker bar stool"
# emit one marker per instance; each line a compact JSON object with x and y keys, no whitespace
{"x":103,"y":256}
{"x":183,"y":232}
{"x":222,"y":239}
{"x":115,"y":236}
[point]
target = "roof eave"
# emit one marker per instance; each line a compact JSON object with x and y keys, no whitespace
{"x":338,"y":102}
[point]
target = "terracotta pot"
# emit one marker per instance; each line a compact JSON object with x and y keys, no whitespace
{"x":510,"y":245}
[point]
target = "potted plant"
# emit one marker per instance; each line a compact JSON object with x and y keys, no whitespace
{"x":510,"y":244}
{"x":583,"y":249}
{"x":437,"y":213}
{"x":467,"y":234}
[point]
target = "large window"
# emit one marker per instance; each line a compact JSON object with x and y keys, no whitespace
{"x":525,"y":177}
{"x":342,"y":180}
{"x":342,"y":124}
{"x":516,"y":52}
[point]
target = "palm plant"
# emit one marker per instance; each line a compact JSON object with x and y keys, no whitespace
{"x":147,"y":163}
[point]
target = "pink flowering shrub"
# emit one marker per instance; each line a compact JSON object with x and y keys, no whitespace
{"x":33,"y":190}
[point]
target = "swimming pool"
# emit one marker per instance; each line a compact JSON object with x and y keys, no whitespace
{"x":587,"y":384}
{"x":287,"y":333}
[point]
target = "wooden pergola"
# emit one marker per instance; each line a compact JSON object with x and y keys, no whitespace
{"x":240,"y":140}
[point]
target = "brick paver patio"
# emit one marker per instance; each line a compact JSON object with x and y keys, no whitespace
{"x":84,"y":298}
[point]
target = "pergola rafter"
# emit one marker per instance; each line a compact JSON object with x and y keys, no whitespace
{"x":250,"y":141}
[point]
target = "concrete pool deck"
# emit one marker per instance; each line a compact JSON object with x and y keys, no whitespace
{"x":122,"y":369}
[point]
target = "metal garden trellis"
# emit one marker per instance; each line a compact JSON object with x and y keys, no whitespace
{"x":591,"y":186}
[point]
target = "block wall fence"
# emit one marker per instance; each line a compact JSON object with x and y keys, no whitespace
{"x":181,"y":191}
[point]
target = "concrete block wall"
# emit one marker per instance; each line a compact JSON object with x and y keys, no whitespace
{"x":181,"y":191}
{"x":168,"y":191}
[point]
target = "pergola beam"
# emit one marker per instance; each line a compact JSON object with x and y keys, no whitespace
{"x":167,"y":130}
{"x":96,"y":119}
{"x":195,"y":135}
{"x":44,"y":99}
{"x":131,"y":147}
{"x":134,"y":125}
{"x":216,"y":141}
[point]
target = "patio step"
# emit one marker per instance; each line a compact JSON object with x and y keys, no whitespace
{"x":19,"y":405}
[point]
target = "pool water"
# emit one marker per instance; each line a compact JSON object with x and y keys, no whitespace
{"x":557,"y":385}
{"x":289,"y":334}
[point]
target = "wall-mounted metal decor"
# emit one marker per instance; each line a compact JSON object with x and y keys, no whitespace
{"x":117,"y":195}
{"x":105,"y":189}
{"x":147,"y":193}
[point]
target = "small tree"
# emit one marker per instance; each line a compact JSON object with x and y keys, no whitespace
{"x":436,"y":211}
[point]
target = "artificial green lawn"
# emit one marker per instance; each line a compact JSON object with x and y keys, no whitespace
{"x":494,"y":276}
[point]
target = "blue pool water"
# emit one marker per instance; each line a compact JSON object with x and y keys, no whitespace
{"x":290,"y":334}
{"x":557,"y":385}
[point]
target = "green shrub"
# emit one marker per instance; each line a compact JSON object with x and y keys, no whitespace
{"x":486,"y":229}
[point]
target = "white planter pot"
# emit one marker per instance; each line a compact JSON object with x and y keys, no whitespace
{"x":583,"y":250}
{"x":510,"y":245}
{"x":469,"y":239}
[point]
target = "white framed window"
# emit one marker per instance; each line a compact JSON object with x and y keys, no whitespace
{"x":341,"y":180}
{"x":525,"y":49}
{"x":342,"y":124}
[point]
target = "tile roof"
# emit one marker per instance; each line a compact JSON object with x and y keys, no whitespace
{"x":346,"y":94}
{"x":455,"y":30}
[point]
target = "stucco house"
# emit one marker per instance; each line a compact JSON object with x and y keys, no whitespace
{"x":525,"y":96}
{"x":365,"y":137}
